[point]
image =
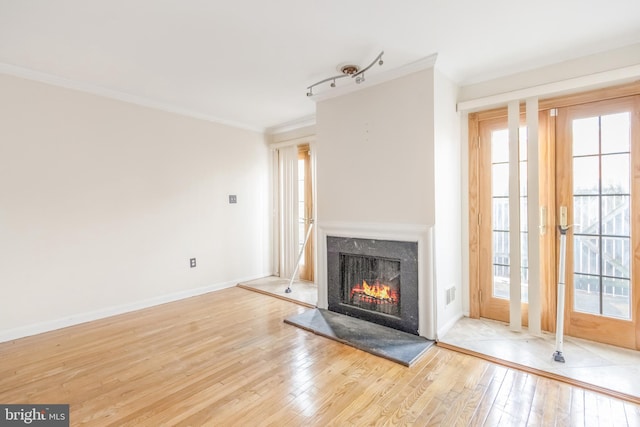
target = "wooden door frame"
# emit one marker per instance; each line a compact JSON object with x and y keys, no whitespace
{"x":307,"y":270}
{"x":546,"y":197}
{"x":499,"y":308}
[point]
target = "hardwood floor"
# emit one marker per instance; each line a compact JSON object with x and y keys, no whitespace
{"x":227,"y":358}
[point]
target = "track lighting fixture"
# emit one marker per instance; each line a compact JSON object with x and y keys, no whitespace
{"x":352,"y":71}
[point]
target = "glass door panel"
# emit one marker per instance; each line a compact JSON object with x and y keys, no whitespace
{"x":595,"y":141}
{"x":500,"y":212}
{"x":495,"y":266}
{"x":601,"y":184}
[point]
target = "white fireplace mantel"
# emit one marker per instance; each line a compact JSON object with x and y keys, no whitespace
{"x":423,"y":234}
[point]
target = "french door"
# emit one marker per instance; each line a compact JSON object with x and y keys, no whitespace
{"x":598,"y":184}
{"x":591,"y":169}
{"x":495,"y":263}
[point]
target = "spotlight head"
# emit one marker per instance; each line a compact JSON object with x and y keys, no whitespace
{"x":360,"y":79}
{"x":380,"y":62}
{"x":309,"y":93}
{"x":333,"y":83}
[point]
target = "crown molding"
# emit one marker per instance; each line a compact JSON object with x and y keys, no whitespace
{"x":29,"y":74}
{"x":378,"y":78}
{"x":292,"y":125}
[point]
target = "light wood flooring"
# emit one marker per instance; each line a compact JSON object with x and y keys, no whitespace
{"x":227,"y":359}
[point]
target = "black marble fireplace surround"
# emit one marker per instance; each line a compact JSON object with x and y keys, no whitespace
{"x":381,"y":263}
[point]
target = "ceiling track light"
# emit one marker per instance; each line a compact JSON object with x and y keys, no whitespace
{"x":352,"y":71}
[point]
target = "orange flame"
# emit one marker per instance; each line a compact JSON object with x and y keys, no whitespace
{"x":376,"y":291}
{"x":379,"y":294}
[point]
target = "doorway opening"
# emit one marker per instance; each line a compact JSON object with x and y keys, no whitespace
{"x":294,"y":229}
{"x":294,"y":262}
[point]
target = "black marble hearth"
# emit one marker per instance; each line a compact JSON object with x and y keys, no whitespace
{"x":392,"y":344}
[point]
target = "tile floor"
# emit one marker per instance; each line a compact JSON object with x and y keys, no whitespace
{"x":302,"y":292}
{"x":602,"y":365}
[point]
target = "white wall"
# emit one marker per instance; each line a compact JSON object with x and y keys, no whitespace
{"x":575,"y":68}
{"x":375,"y":153}
{"x":389,"y":156}
{"x":306,"y":132}
{"x":448,"y":199}
{"x":102,"y":203}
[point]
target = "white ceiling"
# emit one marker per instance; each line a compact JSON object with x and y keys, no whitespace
{"x":248,"y":62}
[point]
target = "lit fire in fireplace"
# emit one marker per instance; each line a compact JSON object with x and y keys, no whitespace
{"x":377,"y":292}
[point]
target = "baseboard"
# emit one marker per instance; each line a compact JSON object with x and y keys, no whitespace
{"x":76,"y":319}
{"x":444,"y":329}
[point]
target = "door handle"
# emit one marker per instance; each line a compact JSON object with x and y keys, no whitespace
{"x":563,"y":216}
{"x":543,"y":220}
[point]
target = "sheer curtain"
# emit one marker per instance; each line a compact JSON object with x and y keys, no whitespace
{"x":288,"y":201}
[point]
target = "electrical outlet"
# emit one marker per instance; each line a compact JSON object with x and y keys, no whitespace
{"x":233,"y":198}
{"x":192,"y":262}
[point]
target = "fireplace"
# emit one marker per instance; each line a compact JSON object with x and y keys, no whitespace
{"x":374,"y":280}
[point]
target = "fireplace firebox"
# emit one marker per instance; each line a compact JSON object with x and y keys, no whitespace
{"x":374,"y":280}
{"x":370,"y":283}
